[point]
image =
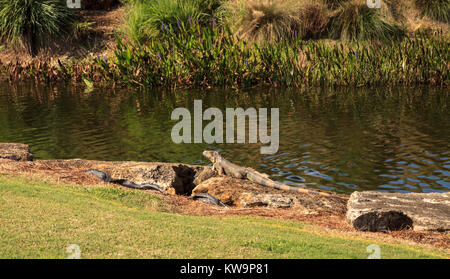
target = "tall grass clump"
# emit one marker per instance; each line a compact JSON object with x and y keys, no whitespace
{"x":354,"y":20}
{"x":147,"y":19}
{"x":435,"y":9}
{"x":314,"y":19}
{"x":266,"y":21}
{"x":399,"y":8}
{"x":137,"y":13}
{"x":31,"y":23}
{"x":334,"y":4}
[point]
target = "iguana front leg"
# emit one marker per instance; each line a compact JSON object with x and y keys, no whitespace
{"x":218,"y":168}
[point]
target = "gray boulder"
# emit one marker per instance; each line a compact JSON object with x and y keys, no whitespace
{"x":374,"y":211}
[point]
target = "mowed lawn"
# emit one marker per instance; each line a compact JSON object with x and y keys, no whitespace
{"x":40,"y":220}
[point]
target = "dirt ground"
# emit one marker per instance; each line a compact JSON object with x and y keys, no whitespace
{"x":329,"y":221}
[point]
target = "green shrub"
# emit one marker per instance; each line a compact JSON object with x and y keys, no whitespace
{"x":30,"y":23}
{"x":146,"y":19}
{"x":136,"y":14}
{"x":354,"y":20}
{"x":435,"y":9}
{"x":172,"y":12}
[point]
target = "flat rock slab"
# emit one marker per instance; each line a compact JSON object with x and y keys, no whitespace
{"x":178,"y":178}
{"x":15,"y":151}
{"x":174,"y":178}
{"x":375,"y":211}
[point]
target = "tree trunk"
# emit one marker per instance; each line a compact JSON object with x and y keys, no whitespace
{"x":30,"y":42}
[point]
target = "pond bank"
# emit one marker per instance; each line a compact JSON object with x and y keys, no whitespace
{"x":222,"y":60}
{"x":242,"y":197}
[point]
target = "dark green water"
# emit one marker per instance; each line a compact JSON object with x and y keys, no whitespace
{"x":346,"y":140}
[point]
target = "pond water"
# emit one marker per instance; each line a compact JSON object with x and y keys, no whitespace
{"x":339,"y":139}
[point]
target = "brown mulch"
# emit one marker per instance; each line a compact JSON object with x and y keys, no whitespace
{"x":332,"y":221}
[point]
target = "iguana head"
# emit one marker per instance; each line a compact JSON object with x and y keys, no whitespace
{"x":211,"y":155}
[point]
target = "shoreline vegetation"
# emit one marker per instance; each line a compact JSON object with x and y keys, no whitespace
{"x":233,"y":44}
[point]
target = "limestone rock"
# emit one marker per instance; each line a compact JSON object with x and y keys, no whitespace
{"x":179,"y":177}
{"x":375,"y":211}
{"x":204,"y":174}
{"x":245,"y":193}
{"x":15,"y":151}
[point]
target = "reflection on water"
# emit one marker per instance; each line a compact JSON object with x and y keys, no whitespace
{"x":340,"y":139}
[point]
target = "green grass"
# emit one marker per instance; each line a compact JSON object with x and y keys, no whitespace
{"x":40,"y":220}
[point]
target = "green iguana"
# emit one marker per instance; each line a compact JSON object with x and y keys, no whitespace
{"x":223,"y":166}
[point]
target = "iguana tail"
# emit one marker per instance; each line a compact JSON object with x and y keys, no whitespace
{"x":273,"y":184}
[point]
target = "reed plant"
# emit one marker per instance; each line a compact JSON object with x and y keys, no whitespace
{"x":199,"y":56}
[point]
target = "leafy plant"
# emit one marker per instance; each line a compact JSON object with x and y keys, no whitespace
{"x":136,"y":15}
{"x":31,"y":23}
